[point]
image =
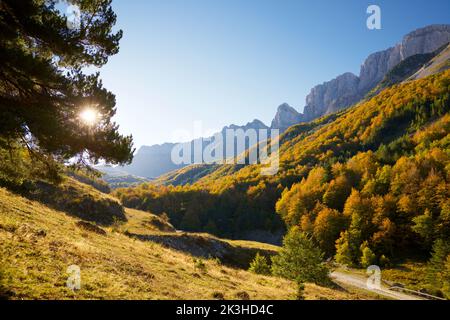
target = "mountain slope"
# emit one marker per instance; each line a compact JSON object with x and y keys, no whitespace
{"x":117,"y":178}
{"x":380,"y":70}
{"x":285,"y":117}
{"x":154,"y":161}
{"x":416,"y":67}
{"x":233,"y":200}
{"x":38,"y":244}
{"x":357,"y":128}
{"x":347,"y":89}
{"x":437,"y":64}
{"x":369,"y":185}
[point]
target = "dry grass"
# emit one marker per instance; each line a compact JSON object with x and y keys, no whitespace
{"x":411,"y":274}
{"x":141,"y":222}
{"x":38,"y":244}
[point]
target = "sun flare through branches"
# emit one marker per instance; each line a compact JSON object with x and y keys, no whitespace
{"x":89,"y":116}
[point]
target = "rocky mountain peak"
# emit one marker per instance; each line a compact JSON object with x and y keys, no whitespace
{"x":420,"y":41}
{"x":330,"y":96}
{"x":285,"y":117}
{"x":425,"y":40}
{"x":347,"y":89}
{"x":255,"y":124}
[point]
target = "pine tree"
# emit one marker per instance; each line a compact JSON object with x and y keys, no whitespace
{"x":259,"y":265}
{"x":43,"y":89}
{"x":446,"y":278}
{"x":438,"y":272}
{"x":191,"y":221}
{"x":299,"y":259}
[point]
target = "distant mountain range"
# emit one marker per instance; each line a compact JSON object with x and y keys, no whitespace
{"x":153,"y":161}
{"x":420,"y":53}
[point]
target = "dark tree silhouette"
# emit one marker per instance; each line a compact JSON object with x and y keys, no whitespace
{"x":43,"y":88}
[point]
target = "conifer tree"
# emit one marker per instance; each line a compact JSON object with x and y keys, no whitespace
{"x":43,"y":89}
{"x":260,"y":265}
{"x":299,"y":259}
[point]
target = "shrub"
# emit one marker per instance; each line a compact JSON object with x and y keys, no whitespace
{"x":260,"y":265}
{"x":216,"y":260}
{"x":199,"y":264}
{"x":242,"y":295}
{"x":218,"y":295}
{"x":384,"y":261}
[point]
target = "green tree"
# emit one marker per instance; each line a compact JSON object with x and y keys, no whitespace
{"x":443,"y":226}
{"x":438,"y":271}
{"x":343,"y":253}
{"x":299,"y":259}
{"x":259,"y":265}
{"x":446,"y":278}
{"x":424,"y":225}
{"x":43,"y":89}
{"x":211,"y":227}
{"x":367,"y":256}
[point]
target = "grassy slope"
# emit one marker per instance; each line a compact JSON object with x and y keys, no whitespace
{"x":39,"y":243}
{"x":141,"y":224}
{"x":410,"y":274}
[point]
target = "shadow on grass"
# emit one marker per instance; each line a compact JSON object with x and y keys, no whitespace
{"x":74,"y":201}
{"x":206,"y":247}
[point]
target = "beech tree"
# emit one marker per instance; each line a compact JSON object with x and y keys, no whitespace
{"x":43,"y":88}
{"x":367,"y":256}
{"x":327,"y":228}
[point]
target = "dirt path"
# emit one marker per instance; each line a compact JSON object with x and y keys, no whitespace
{"x":360,"y":282}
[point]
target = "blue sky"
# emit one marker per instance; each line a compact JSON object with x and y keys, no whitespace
{"x":230,"y":61}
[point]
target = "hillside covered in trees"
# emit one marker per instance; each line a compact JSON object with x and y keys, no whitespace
{"x":366,"y":185}
{"x":369,"y":184}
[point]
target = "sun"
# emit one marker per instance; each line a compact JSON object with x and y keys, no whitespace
{"x":89,"y":116}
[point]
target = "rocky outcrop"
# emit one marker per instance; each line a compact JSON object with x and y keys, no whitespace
{"x":285,"y":117}
{"x":332,"y":95}
{"x":255,"y":124}
{"x":348,"y":88}
{"x":415,"y":67}
{"x":424,"y":40}
{"x":439,"y":63}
